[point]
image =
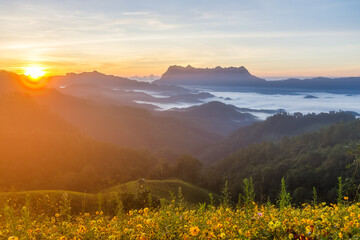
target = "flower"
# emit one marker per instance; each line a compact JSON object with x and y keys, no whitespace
{"x":194,"y":231}
{"x":13,"y":238}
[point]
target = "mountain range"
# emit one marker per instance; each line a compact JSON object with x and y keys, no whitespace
{"x":241,"y":77}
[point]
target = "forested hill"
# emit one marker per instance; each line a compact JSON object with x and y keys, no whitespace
{"x":310,"y":160}
{"x":272,"y":129}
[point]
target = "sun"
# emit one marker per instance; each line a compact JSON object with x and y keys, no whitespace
{"x":34,"y":73}
{"x":34,"y":77}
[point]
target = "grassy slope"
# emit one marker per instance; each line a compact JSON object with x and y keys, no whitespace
{"x":162,"y":189}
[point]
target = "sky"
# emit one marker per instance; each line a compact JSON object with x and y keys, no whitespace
{"x":271,"y":38}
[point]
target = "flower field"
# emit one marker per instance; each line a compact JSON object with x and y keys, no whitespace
{"x":176,"y":220}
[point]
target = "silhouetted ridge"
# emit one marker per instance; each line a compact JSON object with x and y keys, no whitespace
{"x":214,"y":116}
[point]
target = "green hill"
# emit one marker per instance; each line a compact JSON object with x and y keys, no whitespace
{"x":162,"y":189}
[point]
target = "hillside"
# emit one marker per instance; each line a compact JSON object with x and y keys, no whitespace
{"x":272,"y":129}
{"x":39,"y":150}
{"x":310,"y":160}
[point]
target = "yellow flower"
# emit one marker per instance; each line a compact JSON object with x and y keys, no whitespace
{"x":194,"y":231}
{"x":340,"y":235}
{"x":291,"y":236}
{"x":222,"y":235}
{"x":13,"y":238}
{"x":57,"y":215}
{"x":143,"y":237}
{"x":346,"y":198}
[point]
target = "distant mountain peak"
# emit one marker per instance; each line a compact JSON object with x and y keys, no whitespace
{"x":227,"y":76}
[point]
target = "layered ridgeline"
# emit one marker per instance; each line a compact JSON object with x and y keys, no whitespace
{"x":98,"y":113}
{"x":116,"y":90}
{"x":39,"y":150}
{"x":214,"y":116}
{"x":241,"y":77}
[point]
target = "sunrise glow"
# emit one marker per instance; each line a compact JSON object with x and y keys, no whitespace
{"x":34,"y":73}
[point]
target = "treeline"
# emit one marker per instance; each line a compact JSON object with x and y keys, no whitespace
{"x":310,"y":160}
{"x":272,"y":129}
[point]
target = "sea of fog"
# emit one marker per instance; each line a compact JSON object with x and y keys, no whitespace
{"x":304,"y":102}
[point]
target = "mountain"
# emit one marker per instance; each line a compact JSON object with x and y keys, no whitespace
{"x":232,"y":76}
{"x":320,"y":83}
{"x":214,"y":116}
{"x":272,"y":129}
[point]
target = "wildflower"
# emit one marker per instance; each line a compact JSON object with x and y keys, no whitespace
{"x":57,"y":215}
{"x":13,"y":238}
{"x":143,"y":237}
{"x":346,"y":198}
{"x":291,"y":236}
{"x":340,"y":235}
{"x":222,"y":235}
{"x":194,"y":231}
